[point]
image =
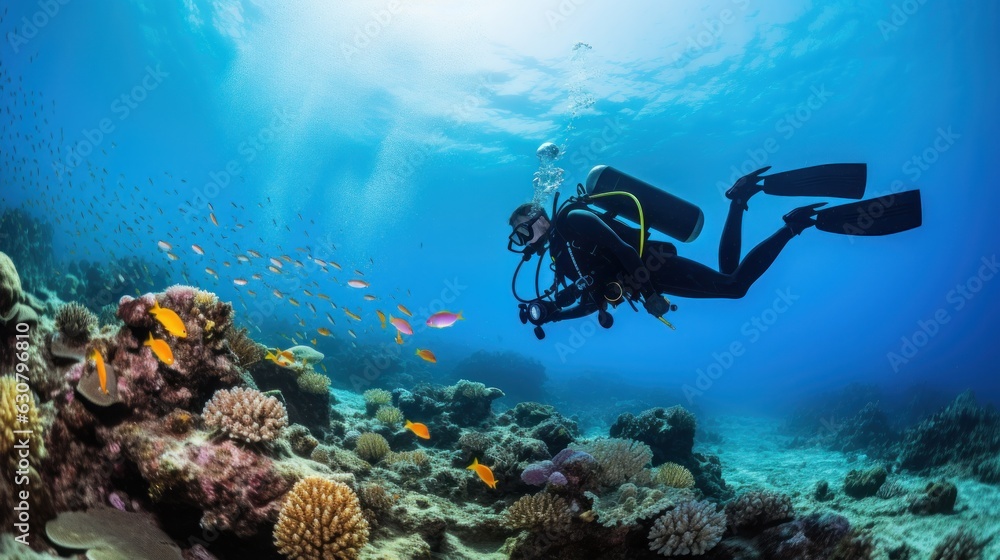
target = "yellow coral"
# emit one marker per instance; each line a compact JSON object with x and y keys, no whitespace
{"x":674,"y":476}
{"x":389,"y":415}
{"x":372,"y":447}
{"x":377,"y":397}
{"x":312,"y":382}
{"x":204,"y":299}
{"x":321,"y":519}
{"x":539,"y":511}
{"x":418,"y":458}
{"x":17,"y":412}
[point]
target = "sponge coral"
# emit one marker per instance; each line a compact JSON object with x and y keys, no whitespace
{"x":76,"y":323}
{"x":246,"y":414}
{"x":692,"y":527}
{"x":321,"y":520}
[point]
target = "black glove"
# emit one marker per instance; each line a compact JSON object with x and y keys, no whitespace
{"x":656,"y":305}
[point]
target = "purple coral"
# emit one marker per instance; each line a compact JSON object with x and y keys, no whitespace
{"x":537,"y":474}
{"x":568,"y":467}
{"x":246,"y":414}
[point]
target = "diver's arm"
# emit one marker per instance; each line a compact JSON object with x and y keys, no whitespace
{"x":588,"y":227}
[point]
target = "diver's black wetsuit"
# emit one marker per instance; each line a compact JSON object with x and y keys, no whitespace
{"x":607,"y":250}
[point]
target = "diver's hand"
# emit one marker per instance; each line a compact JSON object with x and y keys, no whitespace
{"x":656,"y":305}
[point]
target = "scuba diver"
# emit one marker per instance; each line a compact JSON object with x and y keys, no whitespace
{"x":600,"y":261}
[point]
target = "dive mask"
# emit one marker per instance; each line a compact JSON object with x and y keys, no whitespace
{"x":523,"y":233}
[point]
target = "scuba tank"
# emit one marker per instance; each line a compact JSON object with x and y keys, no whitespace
{"x":661,"y":210}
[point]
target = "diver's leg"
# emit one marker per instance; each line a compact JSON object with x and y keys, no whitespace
{"x":729,"y":245}
{"x":684,"y":277}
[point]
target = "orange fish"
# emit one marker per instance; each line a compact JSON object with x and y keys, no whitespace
{"x":401,"y":325}
{"x":418,"y":429}
{"x":214,"y":221}
{"x":405,"y":311}
{"x":102,"y":373}
{"x":354,"y":316}
{"x":399,"y":338}
{"x":357,"y":284}
{"x":197,"y":249}
{"x":161,"y":349}
{"x":323,"y":331}
{"x":484,"y":472}
{"x":314,"y":342}
{"x":427,"y":356}
{"x":381,"y":317}
{"x":282,"y":358}
{"x":170,"y":320}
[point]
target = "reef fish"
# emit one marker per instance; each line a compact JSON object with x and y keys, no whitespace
{"x":418,"y":429}
{"x":381,"y":317}
{"x":282,"y":358}
{"x":444,"y":319}
{"x":161,"y":349}
{"x":197,"y":249}
{"x":399,"y":338}
{"x":169,"y":319}
{"x":402,"y":308}
{"x":357,"y":284}
{"x":484,"y":472}
{"x":354,"y":316}
{"x":323,"y":331}
{"x":401,"y":325}
{"x":427,"y":355}
{"x":102,"y":373}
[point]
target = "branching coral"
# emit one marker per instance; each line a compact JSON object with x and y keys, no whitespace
{"x":620,"y":459}
{"x":389,"y":415}
{"x":321,"y":520}
{"x":758,"y":508}
{"x":960,"y":545}
{"x":690,"y":528}
{"x":372,"y":447}
{"x":76,"y":323}
{"x":418,"y":458}
{"x":536,"y":512}
{"x":630,"y":504}
{"x":674,"y":476}
{"x":377,"y":397}
{"x":246,"y":350}
{"x":246,"y":414}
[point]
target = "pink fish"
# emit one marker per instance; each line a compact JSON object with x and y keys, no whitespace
{"x":357,"y":283}
{"x":444,"y":319}
{"x":401,"y":325}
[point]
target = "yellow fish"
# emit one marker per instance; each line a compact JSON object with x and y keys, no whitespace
{"x":161,"y":349}
{"x":426,"y":355}
{"x":323,"y":331}
{"x":282,"y":358}
{"x":404,"y":310}
{"x":484,"y":472}
{"x":102,"y":373}
{"x":170,"y":320}
{"x":381,"y":317}
{"x":399,"y":338}
{"x":354,"y":316}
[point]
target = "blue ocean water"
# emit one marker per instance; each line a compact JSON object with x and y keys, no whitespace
{"x":395,"y":138}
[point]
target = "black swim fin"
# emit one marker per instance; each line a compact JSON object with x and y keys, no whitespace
{"x":841,"y":180}
{"x":884,"y":215}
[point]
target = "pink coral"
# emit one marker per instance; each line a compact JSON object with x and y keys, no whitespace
{"x":246,"y":414}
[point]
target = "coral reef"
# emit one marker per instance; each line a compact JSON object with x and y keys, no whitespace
{"x":692,"y":527}
{"x":372,"y":447}
{"x":110,"y":533}
{"x":864,"y":483}
{"x":13,"y":309}
{"x":757,"y":509}
{"x":76,"y":323}
{"x":312,"y":382}
{"x":321,"y":520}
{"x":668,"y":432}
{"x":963,"y":434}
{"x":469,"y":401}
{"x":960,"y":545}
{"x":246,"y":415}
{"x":312,"y":410}
{"x":674,"y":476}
{"x":620,"y":460}
{"x":538,"y":512}
{"x":938,"y":497}
{"x":630,"y":504}
{"x":389,"y":415}
{"x":866,"y":431}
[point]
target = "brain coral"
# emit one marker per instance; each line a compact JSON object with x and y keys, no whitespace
{"x":246,"y":414}
{"x":321,"y":520}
